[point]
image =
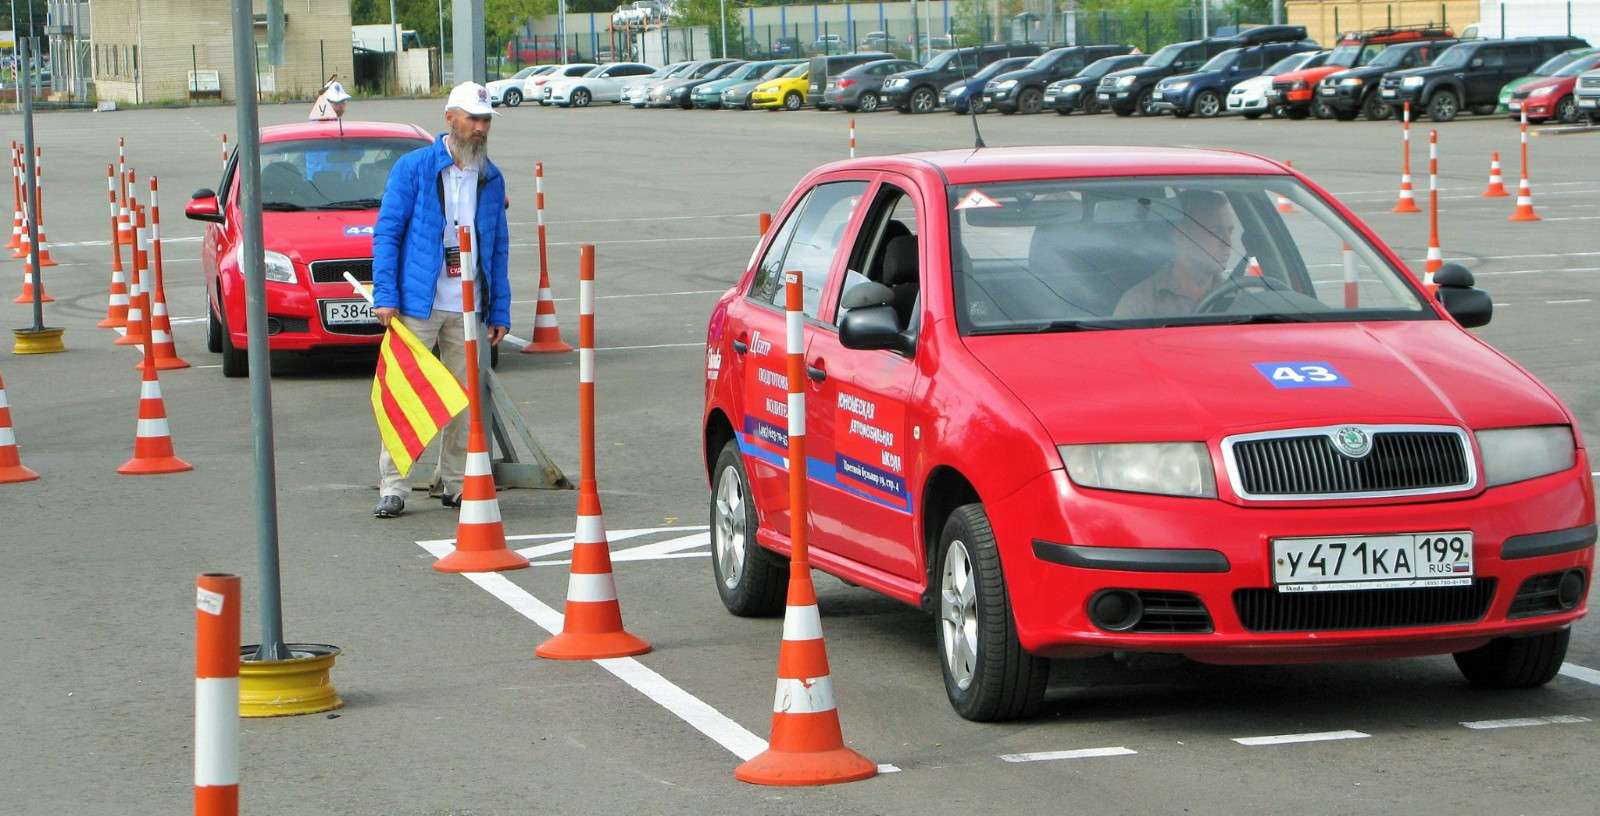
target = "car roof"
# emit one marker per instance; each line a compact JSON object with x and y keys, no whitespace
{"x":997,"y":164}
{"x":346,"y":129}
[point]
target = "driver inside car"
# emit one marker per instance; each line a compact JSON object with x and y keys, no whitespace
{"x":1202,"y":242}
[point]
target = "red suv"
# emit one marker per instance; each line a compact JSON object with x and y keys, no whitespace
{"x":1296,"y":90}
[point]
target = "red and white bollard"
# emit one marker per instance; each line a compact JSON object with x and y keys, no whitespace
{"x":1524,"y":194}
{"x":852,"y":138}
{"x":1408,"y":201}
{"x":216,"y":696}
{"x":1435,"y":255}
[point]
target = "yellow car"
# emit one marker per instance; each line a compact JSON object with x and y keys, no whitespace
{"x":787,"y":92}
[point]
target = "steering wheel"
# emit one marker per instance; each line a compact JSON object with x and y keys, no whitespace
{"x":1211,"y":302}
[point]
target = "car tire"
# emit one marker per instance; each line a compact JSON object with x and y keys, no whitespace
{"x":1279,"y":111}
{"x":976,"y":105}
{"x":1091,"y":105}
{"x":1375,"y":109}
{"x":793,"y":101}
{"x":1295,"y":114}
{"x":752,"y":581}
{"x":923,"y":100}
{"x":581,"y":98}
{"x":1031,"y":100}
{"x":1146,"y":103}
{"x":1208,"y":105}
{"x":1482,"y":110}
{"x":987,"y":675}
{"x":235,"y":361}
{"x":1444,"y":106}
{"x":868,"y":103}
{"x":213,"y":329}
{"x":1252,"y":115}
{"x":1567,"y":110}
{"x":513,"y":98}
{"x":1321,"y":110}
{"x":1515,"y":663}
{"x":1123,"y":111}
{"x":1343,"y":115}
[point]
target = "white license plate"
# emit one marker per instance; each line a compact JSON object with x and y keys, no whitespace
{"x":1157,"y":95}
{"x":347,"y":312}
{"x":1329,"y":91}
{"x":1105,"y":97}
{"x":1513,"y":106}
{"x":1372,"y":562}
{"x":1387,"y":93}
{"x":1588,"y":103}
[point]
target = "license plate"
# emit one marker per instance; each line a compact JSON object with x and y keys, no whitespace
{"x":1157,"y":95}
{"x":1372,"y":562}
{"x":1588,"y":103}
{"x":1513,"y":106}
{"x":1387,"y":93}
{"x":347,"y":312}
{"x":1050,"y":97}
{"x":1329,"y":91}
{"x":1105,"y":97}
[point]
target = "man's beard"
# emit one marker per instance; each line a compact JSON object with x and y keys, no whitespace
{"x":469,"y":153}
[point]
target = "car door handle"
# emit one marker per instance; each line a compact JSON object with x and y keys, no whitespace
{"x":741,"y":346}
{"x":816,"y":373}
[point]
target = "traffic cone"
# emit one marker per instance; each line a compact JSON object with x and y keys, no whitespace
{"x":1352,"y":280}
{"x":1408,"y":200}
{"x":138,"y":293}
{"x":480,"y":534}
{"x":38,"y":209}
{"x":117,"y":305}
{"x":592,"y":627}
{"x":152,"y":443}
{"x":1435,"y":256}
{"x":27,"y":286}
{"x":1284,"y":205}
{"x":1524,"y":195}
{"x":1497,"y":188}
{"x":166,"y":349}
{"x":1253,"y":269}
{"x":11,"y":469}
{"x":546,"y":331}
{"x":17,"y":227}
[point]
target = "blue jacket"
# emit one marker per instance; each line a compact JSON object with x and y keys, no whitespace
{"x":408,"y":242}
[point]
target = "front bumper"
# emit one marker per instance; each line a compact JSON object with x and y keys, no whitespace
{"x":295,"y":319}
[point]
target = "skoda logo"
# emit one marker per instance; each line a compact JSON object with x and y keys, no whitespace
{"x":1353,"y":442}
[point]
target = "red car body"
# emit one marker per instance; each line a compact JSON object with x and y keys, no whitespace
{"x":899,"y":438}
{"x":1552,"y":97}
{"x":320,"y":220}
{"x":1296,"y":90}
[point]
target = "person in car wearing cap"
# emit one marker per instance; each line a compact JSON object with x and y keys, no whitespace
{"x":416,"y":265}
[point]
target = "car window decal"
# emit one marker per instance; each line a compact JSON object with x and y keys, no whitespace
{"x":976,"y":200}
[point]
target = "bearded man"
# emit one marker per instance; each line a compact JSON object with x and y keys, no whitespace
{"x":416,"y":265}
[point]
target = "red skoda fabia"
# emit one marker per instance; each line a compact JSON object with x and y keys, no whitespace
{"x":1075,"y":400}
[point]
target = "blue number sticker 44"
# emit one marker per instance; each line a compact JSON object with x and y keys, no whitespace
{"x":1302,"y":375}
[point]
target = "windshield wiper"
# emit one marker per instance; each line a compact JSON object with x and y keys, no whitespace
{"x":1046,"y":328}
{"x":281,"y":206}
{"x":352,"y":204}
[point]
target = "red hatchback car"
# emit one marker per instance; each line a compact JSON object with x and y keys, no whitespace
{"x":1551,"y":98}
{"x":320,"y":188}
{"x":1021,"y":419}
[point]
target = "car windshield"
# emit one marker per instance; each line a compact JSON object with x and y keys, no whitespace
{"x":1167,"y":56}
{"x":724,"y":70}
{"x":345,"y":173}
{"x":1049,"y":58}
{"x":797,"y":70}
{"x":1349,"y":55}
{"x":776,"y":71}
{"x":944,"y":58}
{"x":530,"y":71}
{"x":598,"y":70}
{"x":1579,"y":65}
{"x":1389,"y":58}
{"x":994,"y":69}
{"x":1455,"y":56}
{"x":1081,"y":254}
{"x":1221,"y":61}
{"x":1287,"y":64}
{"x":1550,"y":66}
{"x":751,"y":70}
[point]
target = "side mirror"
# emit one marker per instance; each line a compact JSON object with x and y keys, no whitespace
{"x":866,"y":293}
{"x":203,"y":206}
{"x":867,"y":328}
{"x":1469,"y":305}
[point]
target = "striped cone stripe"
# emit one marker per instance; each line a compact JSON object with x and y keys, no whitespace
{"x":152,"y":444}
{"x":1408,"y":201}
{"x":1284,"y":205}
{"x":166,"y":349}
{"x":11,"y":468}
{"x":480,"y":534}
{"x":27,"y":286}
{"x":138,"y":292}
{"x":592,"y":627}
{"x":117,"y":300}
{"x":1352,"y":281}
{"x":38,"y":209}
{"x":16,"y":192}
{"x":1497,"y":187}
{"x":807,"y":746}
{"x":216,"y":695}
{"x":546,"y":331}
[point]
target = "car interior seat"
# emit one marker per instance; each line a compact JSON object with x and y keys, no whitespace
{"x":900,"y":274}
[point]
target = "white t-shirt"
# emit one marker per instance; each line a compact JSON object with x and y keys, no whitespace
{"x":460,"y":208}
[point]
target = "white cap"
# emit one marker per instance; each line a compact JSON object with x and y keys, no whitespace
{"x":470,"y":98}
{"x":335,"y":92}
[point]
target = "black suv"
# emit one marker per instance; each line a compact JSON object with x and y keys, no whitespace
{"x":1132,"y":91}
{"x":1470,"y":75}
{"x":918,"y":91}
{"x":1354,"y":91}
{"x":1022,"y":90}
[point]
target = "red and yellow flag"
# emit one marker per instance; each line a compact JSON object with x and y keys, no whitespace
{"x":413,"y":396}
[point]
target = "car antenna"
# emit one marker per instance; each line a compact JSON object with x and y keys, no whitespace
{"x":972,"y":111}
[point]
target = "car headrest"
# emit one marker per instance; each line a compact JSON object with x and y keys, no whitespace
{"x":900,"y":261}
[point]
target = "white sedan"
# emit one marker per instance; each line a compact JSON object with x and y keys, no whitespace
{"x":513,"y":89}
{"x":533,"y":89}
{"x":1250,"y":96}
{"x":601,"y":84}
{"x":635,"y":91}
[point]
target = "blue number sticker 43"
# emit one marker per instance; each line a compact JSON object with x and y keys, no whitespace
{"x":1302,"y":375}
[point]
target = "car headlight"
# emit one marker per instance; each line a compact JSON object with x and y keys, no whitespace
{"x":279,"y":268}
{"x":1074,"y":88}
{"x":1351,"y":82}
{"x":1413,"y":82}
{"x":1175,"y":86}
{"x":1517,"y":454}
{"x":1166,"y":468}
{"x":1004,"y":86}
{"x":1545,"y":91}
{"x":1123,"y":82}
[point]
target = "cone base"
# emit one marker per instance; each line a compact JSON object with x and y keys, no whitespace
{"x":810,"y":768}
{"x":546,"y":347}
{"x":45,"y":341}
{"x":1496,"y":193}
{"x":1406,"y":207}
{"x":1527,"y":216}
{"x":480,"y":561}
{"x":596,"y":646}
{"x":112,"y":323}
{"x":16,"y":473}
{"x":163,"y":364}
{"x":29,"y":299}
{"x":159,"y":464}
{"x":285,"y":688}
{"x":129,"y":340}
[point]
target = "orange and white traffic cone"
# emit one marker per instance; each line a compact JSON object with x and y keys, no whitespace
{"x":1435,"y":255}
{"x":139,"y":282}
{"x":1284,"y":205}
{"x":592,"y":627}
{"x":852,"y":138}
{"x":1524,"y":194}
{"x":166,"y":349}
{"x":17,"y":227}
{"x":152,"y":443}
{"x":27,"y":286}
{"x":1253,"y":268}
{"x":480,"y":534}
{"x":1352,"y":280}
{"x":1408,"y":200}
{"x":38,"y":208}
{"x":546,"y":331}
{"x":807,"y":746}
{"x":11,"y":469}
{"x":117,"y":304}
{"x":1497,"y":187}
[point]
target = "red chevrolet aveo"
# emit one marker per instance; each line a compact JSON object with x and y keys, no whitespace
{"x":1026,"y":417}
{"x":321,"y":183}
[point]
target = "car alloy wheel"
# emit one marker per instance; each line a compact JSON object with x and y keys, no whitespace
{"x":923,"y":100}
{"x":868,"y":102}
{"x":751,"y":580}
{"x":513,"y":98}
{"x":987,"y":675}
{"x":1147,"y":103}
{"x":1322,"y":110}
{"x":1374,"y":108}
{"x":1443,"y":106}
{"x":1091,"y":104}
{"x":1567,"y":111}
{"x":792,"y":101}
{"x":581,"y":98}
{"x":1208,"y":105}
{"x":1031,"y":100}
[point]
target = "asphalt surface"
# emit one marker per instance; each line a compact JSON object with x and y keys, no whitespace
{"x":447,"y":710}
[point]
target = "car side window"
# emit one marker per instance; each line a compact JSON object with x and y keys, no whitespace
{"x":1252,"y":60}
{"x":807,"y":243}
{"x":1492,"y":57}
{"x":886,"y":251}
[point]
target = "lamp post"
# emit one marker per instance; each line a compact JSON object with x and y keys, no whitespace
{"x":722,"y":16}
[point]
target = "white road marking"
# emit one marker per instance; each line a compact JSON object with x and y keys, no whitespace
{"x":1080,"y":753}
{"x":1524,"y":722}
{"x":521,"y":344}
{"x":705,"y":719}
{"x":1284,"y":739}
{"x":635,"y":295}
{"x":1577,"y":672}
{"x":1574,"y":300}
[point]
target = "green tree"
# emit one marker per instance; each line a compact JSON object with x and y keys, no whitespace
{"x":706,"y":13}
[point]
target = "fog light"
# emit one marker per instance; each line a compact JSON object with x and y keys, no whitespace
{"x":1115,"y":610}
{"x":1570,"y":591}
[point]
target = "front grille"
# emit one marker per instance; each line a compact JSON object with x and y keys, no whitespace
{"x":1537,"y":596}
{"x":1108,"y":82}
{"x":1519,"y":94}
{"x":1282,"y":86}
{"x":1267,"y":610}
{"x":1589,"y":82}
{"x":1177,"y":613}
{"x":356,"y":329}
{"x":333,"y":271}
{"x":1306,"y":463}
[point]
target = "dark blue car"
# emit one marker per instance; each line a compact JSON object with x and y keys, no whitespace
{"x":965,"y":95}
{"x":1205,"y":92}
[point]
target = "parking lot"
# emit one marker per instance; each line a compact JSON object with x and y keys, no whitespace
{"x":447,"y":710}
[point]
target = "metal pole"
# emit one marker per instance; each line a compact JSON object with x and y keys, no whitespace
{"x":395,"y":28}
{"x":722,"y":17}
{"x":255,"y":286}
{"x":30,"y":178}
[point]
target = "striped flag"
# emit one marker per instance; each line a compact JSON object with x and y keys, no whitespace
{"x":413,"y":396}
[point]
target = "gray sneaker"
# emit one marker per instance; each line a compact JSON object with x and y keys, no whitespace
{"x":389,"y":507}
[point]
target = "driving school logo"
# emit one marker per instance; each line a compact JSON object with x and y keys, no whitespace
{"x":1352,"y":442}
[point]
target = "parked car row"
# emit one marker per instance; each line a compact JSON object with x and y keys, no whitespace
{"x":1265,"y":70}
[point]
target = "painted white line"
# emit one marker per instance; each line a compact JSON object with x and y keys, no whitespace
{"x":1081,"y":753}
{"x":1574,"y":300}
{"x":1577,"y":672}
{"x":520,"y":343}
{"x":1285,"y":739}
{"x":1524,"y":722}
{"x":625,"y":556}
{"x":705,"y":719}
